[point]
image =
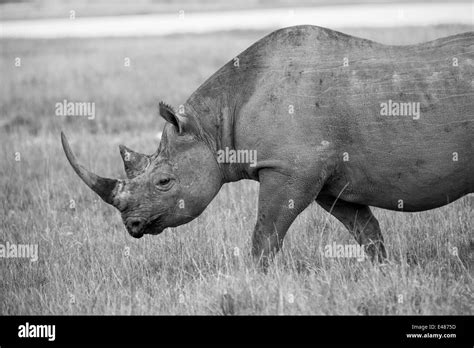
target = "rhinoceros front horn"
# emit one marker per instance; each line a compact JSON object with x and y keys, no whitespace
{"x":104,"y":187}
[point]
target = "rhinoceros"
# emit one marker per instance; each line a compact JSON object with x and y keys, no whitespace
{"x":332,"y":118}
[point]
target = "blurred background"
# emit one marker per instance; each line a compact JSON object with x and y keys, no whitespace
{"x":77,"y":50}
{"x":126,"y":56}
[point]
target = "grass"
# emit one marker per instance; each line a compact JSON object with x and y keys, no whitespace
{"x":88,"y":264}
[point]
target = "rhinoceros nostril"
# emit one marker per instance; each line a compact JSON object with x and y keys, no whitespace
{"x":135,"y":227}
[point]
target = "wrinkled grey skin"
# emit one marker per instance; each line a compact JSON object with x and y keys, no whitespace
{"x":335,"y":148}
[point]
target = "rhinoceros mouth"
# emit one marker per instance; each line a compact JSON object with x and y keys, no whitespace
{"x":154,"y":227}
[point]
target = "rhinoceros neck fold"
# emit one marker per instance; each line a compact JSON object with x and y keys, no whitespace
{"x":216,"y":121}
{"x":218,"y":102}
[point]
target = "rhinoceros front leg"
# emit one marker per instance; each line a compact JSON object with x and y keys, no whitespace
{"x":281,"y":199}
{"x":360,"y":222}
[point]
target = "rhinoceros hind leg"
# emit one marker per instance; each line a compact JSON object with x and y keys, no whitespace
{"x":360,"y":222}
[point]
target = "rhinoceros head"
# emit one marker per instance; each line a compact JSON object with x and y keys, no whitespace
{"x":166,"y":189}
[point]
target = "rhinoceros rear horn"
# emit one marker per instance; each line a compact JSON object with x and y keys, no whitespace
{"x":104,"y":187}
{"x":134,"y":163}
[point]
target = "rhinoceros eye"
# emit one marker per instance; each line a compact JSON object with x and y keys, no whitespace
{"x":164,"y":183}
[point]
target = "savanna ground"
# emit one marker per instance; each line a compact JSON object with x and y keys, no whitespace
{"x":88,"y":264}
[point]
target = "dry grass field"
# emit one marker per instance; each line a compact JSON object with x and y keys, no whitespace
{"x":88,"y":264}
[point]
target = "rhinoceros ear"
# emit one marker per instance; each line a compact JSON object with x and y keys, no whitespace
{"x":169,"y":115}
{"x":134,"y":163}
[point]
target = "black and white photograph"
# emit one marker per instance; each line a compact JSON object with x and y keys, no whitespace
{"x":172,"y":162}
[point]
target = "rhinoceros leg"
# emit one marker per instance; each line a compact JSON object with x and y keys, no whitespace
{"x":360,"y":222}
{"x":281,"y":199}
